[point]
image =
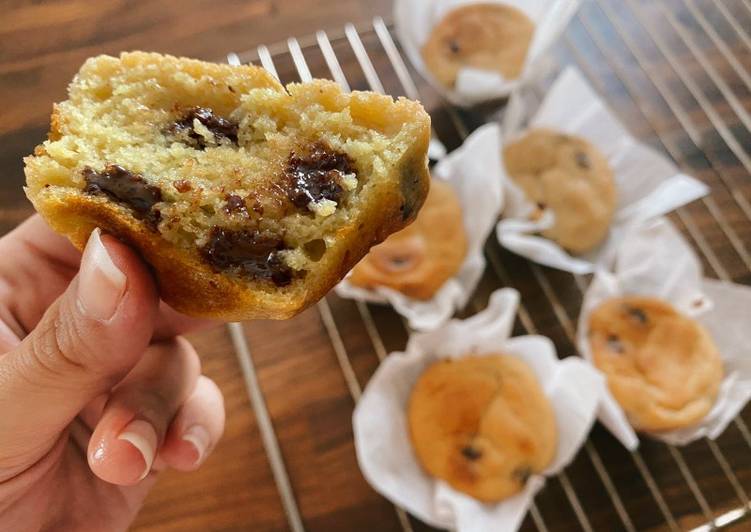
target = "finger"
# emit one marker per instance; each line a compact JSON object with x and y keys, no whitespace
{"x":196,"y":429}
{"x":171,"y":323}
{"x":134,"y":423}
{"x":37,"y":249}
{"x":9,"y":338}
{"x":37,"y":253}
{"x":87,"y":341}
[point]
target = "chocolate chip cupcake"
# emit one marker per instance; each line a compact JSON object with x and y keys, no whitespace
{"x":248,"y":198}
{"x":484,"y":36}
{"x":419,"y":259}
{"x":571,"y":177}
{"x":483,"y":424}
{"x":662,"y":367}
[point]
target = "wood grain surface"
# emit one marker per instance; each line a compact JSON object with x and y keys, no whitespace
{"x":647,"y":58}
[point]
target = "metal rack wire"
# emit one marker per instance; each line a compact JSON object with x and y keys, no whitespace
{"x":375,"y":39}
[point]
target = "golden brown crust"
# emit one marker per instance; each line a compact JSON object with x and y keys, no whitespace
{"x":483,"y":424}
{"x":662,"y":367}
{"x":419,"y":259}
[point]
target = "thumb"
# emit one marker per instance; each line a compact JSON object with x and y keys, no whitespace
{"x":88,"y":339}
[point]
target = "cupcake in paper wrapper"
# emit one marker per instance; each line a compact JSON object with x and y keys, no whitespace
{"x":647,"y":183}
{"x":415,"y":21}
{"x":654,"y":260}
{"x":474,"y":172}
{"x":385,"y":452}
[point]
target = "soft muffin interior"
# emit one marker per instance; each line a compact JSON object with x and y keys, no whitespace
{"x":199,"y":151}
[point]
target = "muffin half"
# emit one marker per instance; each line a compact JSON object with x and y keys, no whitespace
{"x":249,"y":199}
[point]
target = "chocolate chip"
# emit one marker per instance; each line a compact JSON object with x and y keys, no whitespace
{"x":471,"y":453}
{"x":454,"y":47}
{"x":522,"y":474}
{"x":615,"y":344}
{"x":582,"y":160}
{"x":315,"y":175}
{"x":637,"y":314}
{"x":235,"y":205}
{"x":410,"y":187}
{"x":182,"y":185}
{"x":542,"y":206}
{"x":252,"y":254}
{"x":220,"y":127}
{"x":127,"y":188}
{"x":398,"y":261}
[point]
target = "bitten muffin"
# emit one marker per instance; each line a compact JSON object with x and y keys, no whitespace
{"x":571,"y":177}
{"x":419,"y":259}
{"x":661,"y":366}
{"x":483,"y":424}
{"x":493,"y":37}
{"x":248,"y":198}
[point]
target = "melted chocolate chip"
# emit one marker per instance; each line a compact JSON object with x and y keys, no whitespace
{"x":637,"y":314}
{"x":182,"y":185}
{"x":315,"y":176}
{"x":127,"y":188}
{"x":470,"y":453}
{"x":254,"y":255}
{"x":542,"y":206}
{"x":582,"y":160}
{"x":235,"y":204}
{"x":454,"y":47}
{"x":614,"y":343}
{"x":220,"y":127}
{"x":522,"y":474}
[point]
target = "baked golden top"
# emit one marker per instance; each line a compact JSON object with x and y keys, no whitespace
{"x":570,"y":176}
{"x":492,"y":37}
{"x":483,"y":424}
{"x":662,"y":367}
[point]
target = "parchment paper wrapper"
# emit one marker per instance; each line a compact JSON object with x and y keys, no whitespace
{"x":381,"y":432}
{"x":655,"y":260}
{"x":647,"y":183}
{"x":415,"y":19}
{"x":474,"y":172}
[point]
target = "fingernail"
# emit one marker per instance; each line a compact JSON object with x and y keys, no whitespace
{"x":100,"y":283}
{"x":199,"y":438}
{"x":141,"y":435}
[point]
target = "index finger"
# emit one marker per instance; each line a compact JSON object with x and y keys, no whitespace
{"x":41,"y":264}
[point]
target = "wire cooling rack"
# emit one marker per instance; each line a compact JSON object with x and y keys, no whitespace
{"x":677,"y":73}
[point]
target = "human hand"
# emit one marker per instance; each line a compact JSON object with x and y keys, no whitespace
{"x":97,"y":390}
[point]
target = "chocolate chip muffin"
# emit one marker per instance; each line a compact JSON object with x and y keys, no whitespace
{"x":662,"y":367}
{"x":484,"y":36}
{"x":248,"y":198}
{"x":483,"y":424}
{"x":419,"y":259}
{"x":571,"y":177}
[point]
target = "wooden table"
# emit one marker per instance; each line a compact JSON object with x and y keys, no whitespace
{"x":675,"y":71}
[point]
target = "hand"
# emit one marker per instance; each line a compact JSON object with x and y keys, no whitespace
{"x":97,"y":390}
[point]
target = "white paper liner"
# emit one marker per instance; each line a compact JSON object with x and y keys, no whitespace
{"x":655,"y":260}
{"x":648,"y":184}
{"x":474,"y":172}
{"x":414,"y":20}
{"x":382,"y":442}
